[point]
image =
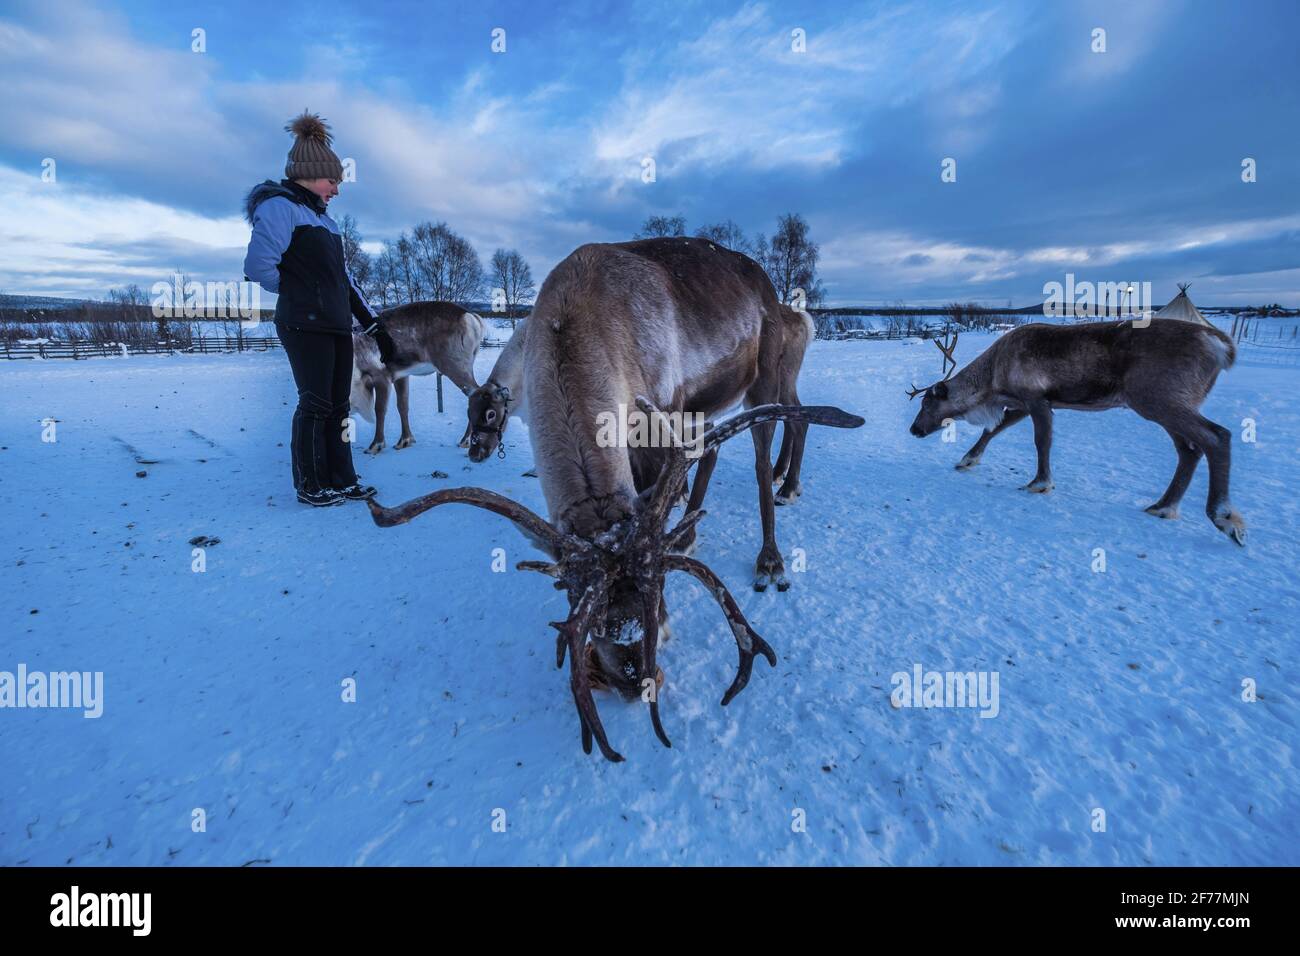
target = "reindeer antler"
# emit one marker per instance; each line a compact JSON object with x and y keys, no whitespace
{"x":947,"y":351}
{"x":573,"y":634}
{"x":747,"y":639}
{"x":640,"y":553}
{"x":533,"y":525}
{"x":947,"y":354}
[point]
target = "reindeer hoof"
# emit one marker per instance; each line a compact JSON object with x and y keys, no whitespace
{"x":966,"y":463}
{"x":1169,"y":512}
{"x":375,"y":448}
{"x":1231,"y":523}
{"x":769,"y":569}
{"x":788,"y":496}
{"x":764,"y":578}
{"x":463,"y":443}
{"x":1039,"y":487}
{"x":406,"y":442}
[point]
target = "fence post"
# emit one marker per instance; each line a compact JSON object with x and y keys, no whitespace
{"x":440,"y":393}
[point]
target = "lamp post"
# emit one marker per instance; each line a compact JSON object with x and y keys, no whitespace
{"x":1128,"y":292}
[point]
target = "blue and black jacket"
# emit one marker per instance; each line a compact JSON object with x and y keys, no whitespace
{"x":297,"y":252}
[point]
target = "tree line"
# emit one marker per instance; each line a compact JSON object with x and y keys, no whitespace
{"x":432,"y":261}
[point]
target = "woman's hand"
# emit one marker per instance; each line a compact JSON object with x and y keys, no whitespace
{"x":387,"y":348}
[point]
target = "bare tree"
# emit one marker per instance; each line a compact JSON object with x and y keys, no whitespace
{"x":356,"y":259}
{"x":658,"y":226}
{"x":791,"y":260}
{"x":511,"y":274}
{"x":447,"y":264}
{"x":727,"y":234}
{"x":407,"y":276}
{"x":382,"y":287}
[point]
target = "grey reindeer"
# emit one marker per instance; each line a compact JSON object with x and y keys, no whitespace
{"x":491,"y":405}
{"x":1163,"y":371}
{"x":430,"y":337}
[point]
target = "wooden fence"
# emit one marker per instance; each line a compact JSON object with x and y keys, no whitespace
{"x":206,"y":346}
{"x":86,"y":350}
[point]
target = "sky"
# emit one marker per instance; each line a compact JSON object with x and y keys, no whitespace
{"x":1124,"y":165}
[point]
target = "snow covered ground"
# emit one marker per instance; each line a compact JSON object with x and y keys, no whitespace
{"x":1119,"y":691}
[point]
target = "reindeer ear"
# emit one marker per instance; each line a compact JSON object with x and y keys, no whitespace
{"x":940,"y":391}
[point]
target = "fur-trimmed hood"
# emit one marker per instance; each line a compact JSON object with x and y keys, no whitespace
{"x":269,"y":188}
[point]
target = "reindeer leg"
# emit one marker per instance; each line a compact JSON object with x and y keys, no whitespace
{"x":703,"y":472}
{"x":463,"y":378}
{"x":1220,"y":510}
{"x":1216,"y":441}
{"x":1188,"y":457}
{"x":783,"y":456}
{"x":795,"y":433}
{"x":381,"y":406}
{"x":1041,"y":412}
{"x":1010,"y":416}
{"x":769,"y":568}
{"x":403,"y":388}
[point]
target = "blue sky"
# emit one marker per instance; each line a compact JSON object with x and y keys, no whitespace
{"x":1115,"y":166}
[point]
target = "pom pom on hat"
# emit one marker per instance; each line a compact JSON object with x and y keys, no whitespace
{"x":311,"y":156}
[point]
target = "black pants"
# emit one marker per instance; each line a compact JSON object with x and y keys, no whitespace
{"x":322,"y":370}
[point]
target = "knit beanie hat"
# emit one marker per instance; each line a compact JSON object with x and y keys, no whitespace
{"x":311,"y":156}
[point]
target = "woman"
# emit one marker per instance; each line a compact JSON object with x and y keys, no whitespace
{"x":296,"y":251}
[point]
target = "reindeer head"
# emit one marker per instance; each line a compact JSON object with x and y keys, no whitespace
{"x":362,"y":398}
{"x":615,"y":579}
{"x":939,"y":402}
{"x":489,"y":410}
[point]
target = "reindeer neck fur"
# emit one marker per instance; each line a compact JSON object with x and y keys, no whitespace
{"x":508,"y":371}
{"x":973,"y":389}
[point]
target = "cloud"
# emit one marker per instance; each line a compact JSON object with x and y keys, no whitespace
{"x":1065,"y":162}
{"x":63,"y":239}
{"x":1166,"y":255}
{"x":738,"y":95}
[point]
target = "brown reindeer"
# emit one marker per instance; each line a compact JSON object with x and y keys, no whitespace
{"x":641,"y":327}
{"x":430,"y":337}
{"x":1163,"y":371}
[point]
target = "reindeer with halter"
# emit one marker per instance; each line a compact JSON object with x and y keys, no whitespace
{"x":660,"y":325}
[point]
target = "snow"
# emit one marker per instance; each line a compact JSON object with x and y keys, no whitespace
{"x":223,"y":690}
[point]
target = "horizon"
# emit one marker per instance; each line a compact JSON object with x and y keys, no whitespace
{"x":1124,"y":165}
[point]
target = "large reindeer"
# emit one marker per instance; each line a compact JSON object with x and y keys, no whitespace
{"x":501,"y":396}
{"x":430,"y":337}
{"x":663,"y":324}
{"x":1163,"y":372}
